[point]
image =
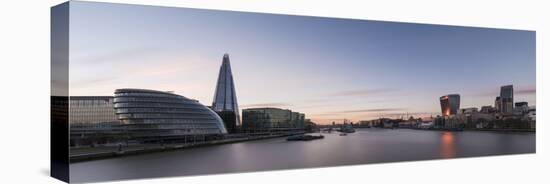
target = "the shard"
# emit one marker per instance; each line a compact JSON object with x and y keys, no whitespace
{"x":225,"y":98}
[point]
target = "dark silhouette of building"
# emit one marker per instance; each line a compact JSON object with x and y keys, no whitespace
{"x":487,"y":109}
{"x":497,"y":104}
{"x":225,"y":98}
{"x":521,"y":107}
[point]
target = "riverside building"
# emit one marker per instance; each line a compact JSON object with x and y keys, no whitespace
{"x":141,"y":116}
{"x":449,"y":104}
{"x":272,"y":119}
{"x":92,"y":120}
{"x":150,"y":116}
{"x":225,"y":98}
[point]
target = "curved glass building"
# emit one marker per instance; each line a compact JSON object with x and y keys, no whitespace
{"x":92,"y":120}
{"x":154,"y":115}
{"x":449,"y":104}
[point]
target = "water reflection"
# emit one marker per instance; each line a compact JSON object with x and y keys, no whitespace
{"x":365,"y":146}
{"x":447,"y":147}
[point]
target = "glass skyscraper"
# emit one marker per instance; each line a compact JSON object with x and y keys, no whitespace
{"x":225,"y":98}
{"x":449,"y":104}
{"x":506,"y":99}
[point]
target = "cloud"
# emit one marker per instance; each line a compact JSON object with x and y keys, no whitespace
{"x":114,"y":55}
{"x":325,"y":114}
{"x":91,"y":81}
{"x":363,"y":92}
{"x":316,"y":100}
{"x":348,"y":112}
{"x":412,"y":114}
{"x":266,"y":105}
{"x":526,"y":91}
{"x":372,"y":110}
{"x":381,"y":101}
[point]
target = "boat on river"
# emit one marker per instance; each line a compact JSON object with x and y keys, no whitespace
{"x":346,"y":128}
{"x":304,"y":137}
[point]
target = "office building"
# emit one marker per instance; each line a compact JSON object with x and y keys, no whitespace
{"x":506,"y":99}
{"x":152,"y":116}
{"x":521,"y":107}
{"x":449,"y":104}
{"x":92,"y":120}
{"x":225,"y":98}
{"x":487,"y":109}
{"x":468,"y":110}
{"x":91,"y":110}
{"x":256,"y":119}
{"x":498,"y":103}
{"x":472,"y":118}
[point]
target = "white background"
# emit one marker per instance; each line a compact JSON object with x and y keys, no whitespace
{"x":25,"y":83}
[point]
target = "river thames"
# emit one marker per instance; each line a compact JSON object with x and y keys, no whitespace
{"x":362,"y":147}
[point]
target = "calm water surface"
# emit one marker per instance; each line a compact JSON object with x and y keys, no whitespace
{"x":364,"y":146}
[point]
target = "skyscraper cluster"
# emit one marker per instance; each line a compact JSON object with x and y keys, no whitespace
{"x":504,"y":114}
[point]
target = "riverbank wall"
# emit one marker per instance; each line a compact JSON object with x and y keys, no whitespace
{"x":80,"y":155}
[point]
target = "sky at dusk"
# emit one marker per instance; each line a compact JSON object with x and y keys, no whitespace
{"x":327,"y":68}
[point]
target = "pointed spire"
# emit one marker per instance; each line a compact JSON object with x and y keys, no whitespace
{"x":225,"y":98}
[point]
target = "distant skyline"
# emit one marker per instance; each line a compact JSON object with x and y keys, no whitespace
{"x":329,"y":69}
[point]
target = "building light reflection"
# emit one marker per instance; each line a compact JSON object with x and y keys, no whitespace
{"x":447,"y":146}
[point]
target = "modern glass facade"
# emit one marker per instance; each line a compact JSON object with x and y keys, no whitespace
{"x":153,"y":115}
{"x":449,"y":104}
{"x":225,"y":98}
{"x":91,"y":110}
{"x":506,"y":99}
{"x":297,"y":120}
{"x":139,"y":115}
{"x":92,"y":120}
{"x":272,"y":118}
{"x":302,"y":121}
